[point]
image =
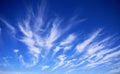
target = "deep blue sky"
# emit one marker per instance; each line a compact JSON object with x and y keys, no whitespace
{"x":60,"y":36}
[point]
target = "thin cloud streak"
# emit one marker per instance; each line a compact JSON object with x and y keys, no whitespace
{"x":94,"y":47}
{"x":68,"y":40}
{"x":44,"y":67}
{"x":103,"y":57}
{"x":33,"y":61}
{"x":13,"y":30}
{"x":61,"y":61}
{"x":114,"y":71}
{"x":50,"y":47}
{"x":80,"y":47}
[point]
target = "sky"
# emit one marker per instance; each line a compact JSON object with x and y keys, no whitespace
{"x":59,"y":37}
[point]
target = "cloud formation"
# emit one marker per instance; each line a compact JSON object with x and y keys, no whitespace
{"x":47,"y":42}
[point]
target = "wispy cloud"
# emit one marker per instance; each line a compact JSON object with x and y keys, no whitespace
{"x":31,"y":44}
{"x":112,"y":55}
{"x":33,"y":61}
{"x":26,"y":31}
{"x":53,"y":34}
{"x":42,"y":42}
{"x":69,"y":71}
{"x":96,"y":46}
{"x":69,"y":63}
{"x":15,"y":50}
{"x":67,"y":48}
{"x":66,"y":44}
{"x":56,"y":50}
{"x":80,"y":47}
{"x":39,"y":19}
{"x":114,"y":71}
{"x":13,"y":30}
{"x":33,"y":50}
{"x":103,"y":57}
{"x":61,"y":61}
{"x":5,"y":62}
{"x":44,"y":67}
{"x":68,"y":40}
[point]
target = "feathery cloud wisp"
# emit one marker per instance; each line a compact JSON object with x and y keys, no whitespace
{"x":80,"y":47}
{"x":13,"y":30}
{"x":68,"y":40}
{"x":114,"y":71}
{"x":44,"y":67}
{"x":62,"y":59}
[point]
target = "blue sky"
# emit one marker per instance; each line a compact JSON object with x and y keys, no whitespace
{"x":59,"y":37}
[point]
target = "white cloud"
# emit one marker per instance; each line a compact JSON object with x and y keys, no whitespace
{"x":57,"y":48}
{"x":36,"y":42}
{"x":80,"y":47}
{"x":103,"y":57}
{"x":94,"y":64}
{"x":96,"y":58}
{"x":69,"y":62}
{"x":67,"y":48}
{"x":15,"y":50}
{"x":68,"y":40}
{"x":75,"y":20}
{"x":96,"y":46}
{"x":39,"y":40}
{"x":106,"y":51}
{"x":114,"y":71}
{"x":53,"y":34}
{"x":61,"y":59}
{"x":112,"y":55}
{"x":69,"y":71}
{"x":33,"y":61}
{"x":5,"y":62}
{"x":31,"y":45}
{"x":64,"y":44}
{"x":39,"y":19}
{"x":38,"y":45}
{"x":13,"y":30}
{"x":31,"y":42}
{"x":25,"y":31}
{"x":98,"y":53}
{"x":101,"y":54}
{"x":44,"y":67}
